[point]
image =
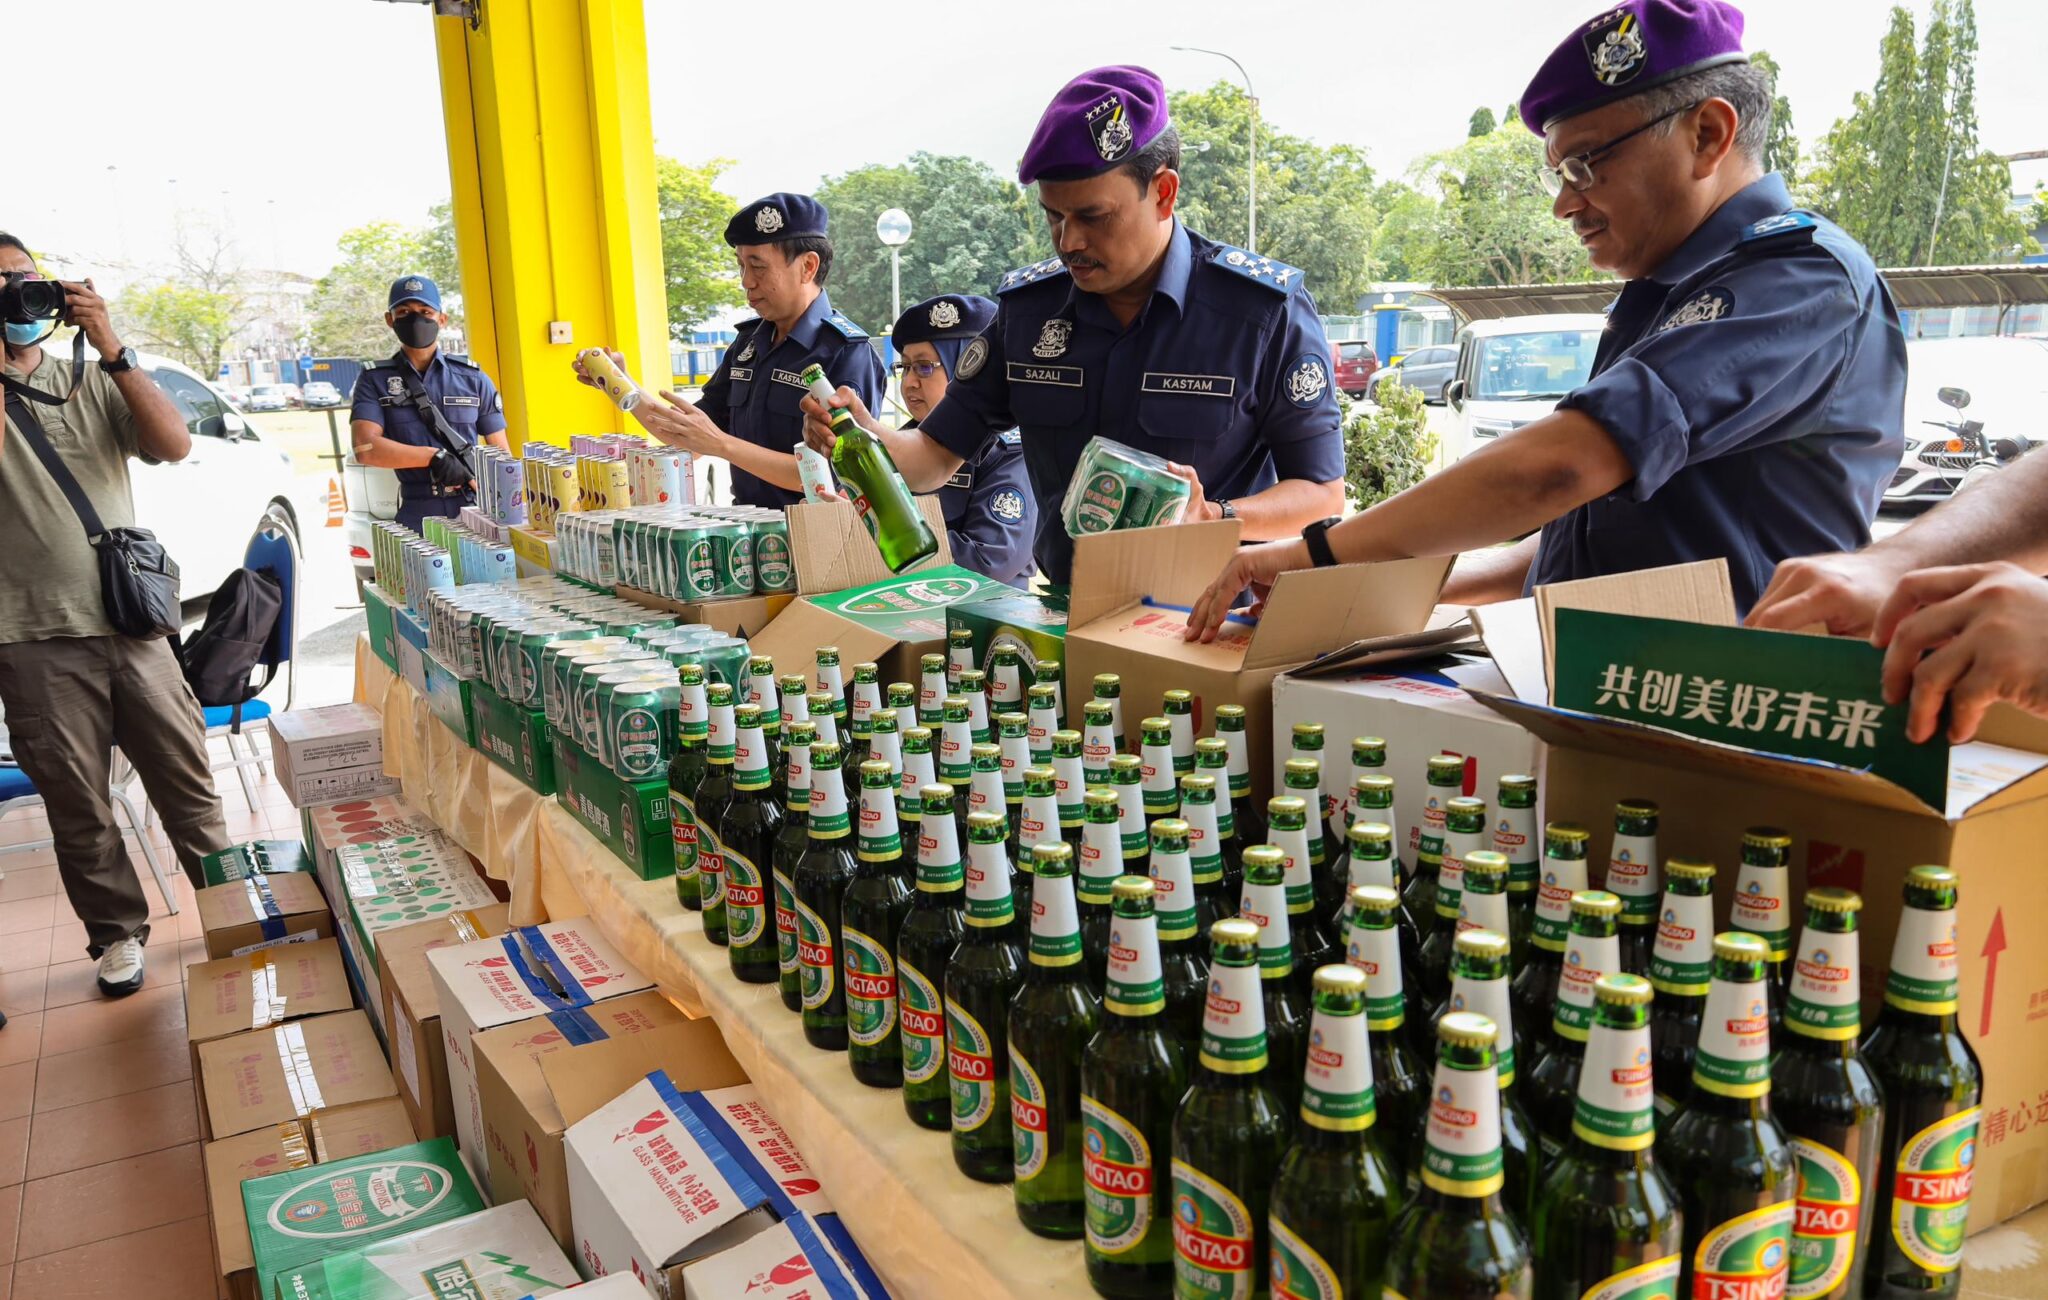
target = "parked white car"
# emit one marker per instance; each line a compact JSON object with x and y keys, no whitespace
{"x":1512,"y":372}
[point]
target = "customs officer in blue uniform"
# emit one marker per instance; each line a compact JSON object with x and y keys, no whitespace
{"x":748,"y":414}
{"x":391,"y":419}
{"x":991,"y":511}
{"x":1139,"y":330}
{"x":1746,"y":399}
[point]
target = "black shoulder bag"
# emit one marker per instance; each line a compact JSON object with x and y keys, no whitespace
{"x":138,"y":578}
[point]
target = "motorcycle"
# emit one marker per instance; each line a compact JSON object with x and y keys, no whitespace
{"x":1968,"y":456}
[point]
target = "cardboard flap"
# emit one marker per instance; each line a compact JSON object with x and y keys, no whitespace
{"x":1513,"y":636}
{"x":586,"y":1079}
{"x":1172,"y":564}
{"x":832,"y":549}
{"x":1344,"y":605}
{"x":1690,"y":593}
{"x":793,"y":639}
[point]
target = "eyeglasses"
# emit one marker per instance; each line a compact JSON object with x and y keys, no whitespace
{"x":922,"y":369}
{"x":1577,"y":170}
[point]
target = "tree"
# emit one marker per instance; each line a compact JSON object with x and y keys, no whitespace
{"x":1781,"y":147}
{"x":1404,"y":240}
{"x":1388,"y":447}
{"x":194,"y":311}
{"x":438,"y":259}
{"x":348,"y":304}
{"x":1482,"y":122}
{"x":1492,"y":224}
{"x":1903,"y":172}
{"x":696,"y":264}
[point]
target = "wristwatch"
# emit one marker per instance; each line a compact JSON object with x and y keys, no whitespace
{"x":120,"y":362}
{"x":1228,"y":509}
{"x":1319,"y":543}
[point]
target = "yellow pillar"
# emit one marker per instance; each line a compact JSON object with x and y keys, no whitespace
{"x":551,"y":162}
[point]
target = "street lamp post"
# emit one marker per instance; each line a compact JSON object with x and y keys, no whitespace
{"x":1251,"y":179}
{"x":893,"y":229}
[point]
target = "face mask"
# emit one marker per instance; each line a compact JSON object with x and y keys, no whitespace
{"x":416,"y":330}
{"x":24,"y":334}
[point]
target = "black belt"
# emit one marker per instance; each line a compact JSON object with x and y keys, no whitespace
{"x":431,"y":492}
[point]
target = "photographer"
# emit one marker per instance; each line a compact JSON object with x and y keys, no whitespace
{"x":73,"y":688}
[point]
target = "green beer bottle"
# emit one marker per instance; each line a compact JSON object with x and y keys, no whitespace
{"x":827,"y":680}
{"x":1400,"y":1084}
{"x":1228,"y":1133}
{"x":1205,"y":855}
{"x":1110,"y":688}
{"x":817,"y":894}
{"x":1044,"y":713}
{"x":1370,"y":857}
{"x":796,"y":698}
{"x":1156,"y":781}
{"x":1230,"y":729}
{"x":1932,"y":1089}
{"x":1182,"y":953}
{"x":932,"y":690}
{"x":1564,"y":874}
{"x":1070,"y":786}
{"x":1169,"y":837}
{"x":1013,"y":740}
{"x":747,"y":827}
{"x":832,"y":731}
{"x":1682,"y":973}
{"x":877,"y":900}
{"x":1464,"y":834}
{"x":1049,"y":672}
{"x":1040,"y":821}
{"x":1052,"y":1018}
{"x":1179,"y":707}
{"x":1482,"y":897}
{"x":685,"y":774}
{"x":1632,"y":877}
{"x":903,"y":706}
{"x":1212,"y":759}
{"x":880,"y":496}
{"x":1308,"y":746}
{"x":1458,"y":1238}
{"x":973,"y":687}
{"x":1133,"y":1075}
{"x":924,"y":948}
{"x":956,"y":757}
{"x":1005,"y":678}
{"x":918,"y":772}
{"x":1763,"y":907}
{"x":1607,"y":1222}
{"x":1127,"y":777}
{"x":1368,"y":758}
{"x":1724,"y":1151}
{"x":1593,"y":950}
{"x":1337,"y":1194}
{"x":980,"y":981}
{"x":1479,"y":982}
{"x":791,"y":839}
{"x":985,"y":790}
{"x":1829,"y":1104}
{"x":1102,"y":858}
{"x":885,"y":743}
{"x":1098,"y":741}
{"x":1264,"y":903}
{"x":1444,"y":778}
{"x":1314,"y":945}
{"x":712,"y":796}
{"x":762,"y":694}
{"x":1515,"y":836}
{"x":959,"y":656}
{"x":1324,"y":852}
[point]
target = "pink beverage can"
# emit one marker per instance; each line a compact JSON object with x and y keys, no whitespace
{"x":664,"y":470}
{"x":617,"y":385}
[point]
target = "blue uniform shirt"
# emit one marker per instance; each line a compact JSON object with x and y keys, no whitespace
{"x":469,"y":401}
{"x":1757,"y":384}
{"x":755,"y":392}
{"x":1226,"y":369}
{"x":991,"y":514}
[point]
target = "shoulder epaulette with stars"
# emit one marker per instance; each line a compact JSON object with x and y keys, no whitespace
{"x":851,"y":331}
{"x":1277,"y":276}
{"x":463,"y":361}
{"x":1031,"y":274}
{"x":1783,"y":224}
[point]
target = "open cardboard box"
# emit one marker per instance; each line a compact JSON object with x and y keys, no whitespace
{"x":1129,"y":604}
{"x":1851,"y":828}
{"x":412,"y":1010}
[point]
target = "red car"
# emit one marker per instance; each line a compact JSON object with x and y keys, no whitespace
{"x":1355,"y":362}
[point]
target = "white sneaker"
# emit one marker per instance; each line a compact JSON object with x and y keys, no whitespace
{"x":121,"y":968}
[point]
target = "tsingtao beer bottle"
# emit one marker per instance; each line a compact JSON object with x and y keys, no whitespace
{"x":1157,"y":784}
{"x":1829,"y":1103}
{"x":980,"y":981}
{"x":1127,"y":777}
{"x":1013,"y":741}
{"x":1482,"y":897}
{"x":1181,"y":927}
{"x":863,"y":703}
{"x":1264,"y":903}
{"x":1005,"y":678}
{"x":1632,"y":877}
{"x":712,"y":796}
{"x":1372,"y":862}
{"x":1044,"y":716}
{"x":1458,"y":1238}
{"x":1337,"y":1193}
{"x":1763,"y":907}
{"x":685,"y":774}
{"x":1098,"y":741}
{"x":1682,"y":973}
{"x":791,"y":839}
{"x":959,"y":656}
{"x":1212,"y":759}
{"x":876,"y":903}
{"x":903,"y":705}
{"x":1400,"y":1083}
{"x":1607,"y":1220}
{"x":1039,"y":823}
{"x":1464,"y":833}
{"x":1133,"y":1076}
{"x":1101,"y":863}
{"x":1205,"y":854}
{"x":1303,"y":777}
{"x":1592,"y":950}
{"x":1564,"y":874}
{"x":818,"y":891}
{"x":924,"y":948}
{"x":880,"y":496}
{"x":747,"y":830}
{"x":1052,"y":1018}
{"x":1228,"y":1133}
{"x":1179,"y":707}
{"x":1314,"y":945}
{"x":1479,"y":983}
{"x":1110,"y":688}
{"x":1444,"y":780}
{"x":918,"y":772}
{"x":1932,"y":1089}
{"x":1230,"y":729}
{"x":1070,"y":788}
{"x":1724,"y":1150}
{"x":1517,"y":836}
{"x":933,"y":686}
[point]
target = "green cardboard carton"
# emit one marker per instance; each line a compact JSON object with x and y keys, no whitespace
{"x":631,"y":819}
{"x":518,"y":740}
{"x":503,"y":1253}
{"x":1034,"y":624}
{"x":265,"y":857}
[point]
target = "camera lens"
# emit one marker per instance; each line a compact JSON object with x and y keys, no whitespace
{"x":41,"y":299}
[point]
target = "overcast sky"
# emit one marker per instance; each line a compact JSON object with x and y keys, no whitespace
{"x":296,"y":119}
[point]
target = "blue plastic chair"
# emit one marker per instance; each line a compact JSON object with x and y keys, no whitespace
{"x":273,"y":550}
{"x":17,"y":791}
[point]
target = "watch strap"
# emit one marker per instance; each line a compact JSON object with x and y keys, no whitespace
{"x":1316,"y":535}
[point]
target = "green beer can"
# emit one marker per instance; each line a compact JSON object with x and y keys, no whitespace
{"x":1116,"y":487}
{"x":642,"y":735}
{"x":774,"y":566}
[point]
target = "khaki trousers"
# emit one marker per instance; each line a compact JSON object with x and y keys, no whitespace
{"x":69,"y":701}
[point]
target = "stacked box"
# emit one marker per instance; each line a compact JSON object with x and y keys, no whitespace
{"x":449,"y":697}
{"x":377,"y":607}
{"x":396,"y":882}
{"x":274,"y":1076}
{"x":254,"y":857}
{"x":327,"y":828}
{"x":503,"y":1253}
{"x":329,"y":754}
{"x":631,"y":818}
{"x":259,"y":912}
{"x":412,"y":1010}
{"x":518,"y":740}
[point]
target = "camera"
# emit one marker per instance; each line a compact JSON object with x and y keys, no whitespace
{"x":24,"y":301}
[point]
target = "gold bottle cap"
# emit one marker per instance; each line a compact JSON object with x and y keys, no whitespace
{"x":1170,"y":828}
{"x":1370,"y":833}
{"x":1108,"y":679}
{"x":1446,"y":764}
{"x":1286,"y":805}
{"x":935,"y":791}
{"x":1465,"y":805}
{"x":1373,"y":781}
{"x":986,"y":749}
{"x":1066,"y":736}
{"x":1932,"y":877}
{"x":1688,"y":869}
{"x":987,"y":821}
{"x":1766,"y":837}
{"x":1128,"y":888}
{"x":1198,"y":781}
{"x":1178,"y":696}
{"x":1013,"y":719}
{"x":1489,"y":945}
{"x":1053,"y":851}
{"x":1734,"y":945}
{"x":1571,"y":832}
{"x":1486,"y":862}
{"x":1466,"y":1029}
{"x":1127,"y":763}
{"x":1304,"y":730}
{"x":1595,"y":902}
{"x":1099,"y":796}
{"x":1264,"y":855}
{"x":1829,"y":899}
{"x":1518,"y":781}
{"x":1339,"y":979}
{"x":1374,"y":898}
{"x":876,"y":767}
{"x":1622,"y":990}
{"x":1234,"y":932}
{"x":1636,"y":808}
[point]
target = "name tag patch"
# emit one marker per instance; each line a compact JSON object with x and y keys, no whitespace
{"x":743,"y":374}
{"x":790,"y":377}
{"x":1064,"y":376}
{"x":962,"y":480}
{"x":460,"y":401}
{"x":1196,"y":385}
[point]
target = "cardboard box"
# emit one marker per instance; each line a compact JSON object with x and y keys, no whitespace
{"x":518,"y":740}
{"x":262,"y":990}
{"x":397,"y":882}
{"x":503,"y":1253}
{"x":618,"y":1286}
{"x":528,"y":972}
{"x":448,"y":698}
{"x":412,"y":647}
{"x":1851,"y":826}
{"x":789,"y":1261}
{"x":308,"y":1214}
{"x":412,"y":1010}
{"x":271,"y":1076}
{"x":330,"y":753}
{"x":1419,"y":713}
{"x":327,"y":828}
{"x":1032,"y":623}
{"x":534,"y":550}
{"x":744,"y":616}
{"x":264,"y":857}
{"x":359,"y":1130}
{"x":522,"y":1128}
{"x":1129,"y":607}
{"x":832,"y":550}
{"x":377,"y":607}
{"x":262,"y":911}
{"x":631,"y":818}
{"x":890,"y":623}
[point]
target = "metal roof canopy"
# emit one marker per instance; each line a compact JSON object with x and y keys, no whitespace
{"x":1914,"y":288}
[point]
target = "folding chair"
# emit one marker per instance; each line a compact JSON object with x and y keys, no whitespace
{"x":17,"y":791}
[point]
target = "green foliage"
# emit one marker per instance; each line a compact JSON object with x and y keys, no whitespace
{"x":1781,"y":147}
{"x":347,"y":306}
{"x":696,"y":264}
{"x":968,"y":226}
{"x":438,"y":259}
{"x":1492,"y":224}
{"x":193,"y":312}
{"x":1903,"y":172}
{"x":1388,"y":447}
{"x":1482,"y":122}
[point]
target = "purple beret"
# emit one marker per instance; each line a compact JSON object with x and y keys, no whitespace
{"x":1098,"y":120}
{"x":1628,"y":50}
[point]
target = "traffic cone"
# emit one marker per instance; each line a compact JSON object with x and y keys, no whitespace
{"x":337,"y":504}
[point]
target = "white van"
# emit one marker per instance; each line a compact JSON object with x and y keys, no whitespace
{"x":1514,"y":370}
